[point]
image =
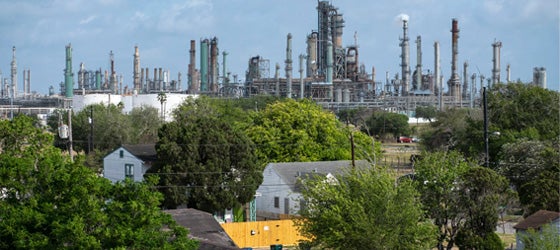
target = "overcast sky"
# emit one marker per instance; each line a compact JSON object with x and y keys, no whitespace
{"x":40,"y":30}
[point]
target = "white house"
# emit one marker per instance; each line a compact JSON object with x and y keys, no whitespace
{"x":129,"y":161}
{"x":536,"y":222}
{"x":280,"y":191}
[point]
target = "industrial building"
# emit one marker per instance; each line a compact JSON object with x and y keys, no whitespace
{"x":329,"y":72}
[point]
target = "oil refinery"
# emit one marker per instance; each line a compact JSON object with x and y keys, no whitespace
{"x":330,"y":73}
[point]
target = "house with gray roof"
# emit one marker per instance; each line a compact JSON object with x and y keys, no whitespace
{"x":129,"y":161}
{"x":280,"y":192}
{"x":537,"y":222}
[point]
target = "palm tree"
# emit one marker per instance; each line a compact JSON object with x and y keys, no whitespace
{"x":162,"y":98}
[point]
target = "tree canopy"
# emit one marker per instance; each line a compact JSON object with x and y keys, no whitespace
{"x":383,"y":123}
{"x":204,"y":161}
{"x":48,"y":202}
{"x":364,"y":209}
{"x":461,"y":198}
{"x":290,"y":130}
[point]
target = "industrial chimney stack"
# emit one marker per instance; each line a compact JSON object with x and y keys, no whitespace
{"x":496,"y":62}
{"x":405,"y":59}
{"x":454,"y":83}
{"x":289,"y":65}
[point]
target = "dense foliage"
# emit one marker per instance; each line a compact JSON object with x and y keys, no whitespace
{"x":204,"y":161}
{"x":364,"y":209}
{"x":48,"y":202}
{"x":460,"y":197}
{"x":383,"y":123}
{"x":290,"y":130}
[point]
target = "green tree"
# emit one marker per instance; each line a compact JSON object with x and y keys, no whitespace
{"x":364,"y":209}
{"x":49,"y":202}
{"x":461,"y":198}
{"x":533,"y":168}
{"x":517,"y":108}
{"x":545,"y":238}
{"x":437,"y":174}
{"x":292,"y":130}
{"x":426,"y":112}
{"x":204,"y":161}
{"x":383,"y":123}
{"x":481,"y":198}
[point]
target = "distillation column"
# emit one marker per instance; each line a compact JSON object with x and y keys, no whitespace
{"x":204,"y":44}
{"x":311,"y":55}
{"x":496,"y":62}
{"x":437,"y":84}
{"x":289,"y":65}
{"x":68,"y":75}
{"x":418,"y":62}
{"x":466,"y":80}
{"x":301,"y":87}
{"x":454,"y":82}
{"x":136,"y":71}
{"x":405,"y":59}
{"x":13,"y":74}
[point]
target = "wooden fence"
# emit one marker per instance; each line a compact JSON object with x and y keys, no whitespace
{"x":263,"y":234}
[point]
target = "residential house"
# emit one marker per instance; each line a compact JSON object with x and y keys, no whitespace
{"x":129,"y":161}
{"x":280,"y":192}
{"x":536,"y":222}
{"x":204,"y":228}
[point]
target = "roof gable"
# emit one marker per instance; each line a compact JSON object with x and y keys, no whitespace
{"x":290,"y":172}
{"x":203,"y":227}
{"x":145,"y":152}
{"x":537,"y":220}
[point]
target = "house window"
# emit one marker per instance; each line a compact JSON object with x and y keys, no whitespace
{"x":121,"y":153}
{"x":129,"y":171}
{"x":277,"y":202}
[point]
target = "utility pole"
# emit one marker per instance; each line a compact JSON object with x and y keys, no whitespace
{"x":70,"y":134}
{"x":486,"y":147}
{"x":90,"y":120}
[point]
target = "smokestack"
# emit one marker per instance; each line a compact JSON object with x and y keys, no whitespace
{"x":289,"y":65}
{"x":301,"y":88}
{"x":465,"y":79}
{"x":496,"y":62}
{"x":136,"y":70}
{"x":68,"y":75}
{"x":508,"y":73}
{"x":329,"y":63}
{"x":224,"y":69}
{"x":214,"y":65}
{"x":405,"y":58}
{"x":14,"y":73}
{"x":192,"y":65}
{"x":454,"y":82}
{"x":28,"y":84}
{"x":204,"y":44}
{"x":113,"y":78}
{"x":437,"y":83}
{"x":419,"y":62}
{"x":277,"y":78}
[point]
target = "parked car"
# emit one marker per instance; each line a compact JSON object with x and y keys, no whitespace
{"x":404,"y":139}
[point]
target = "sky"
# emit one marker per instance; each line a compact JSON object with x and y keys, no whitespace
{"x":162,"y":30}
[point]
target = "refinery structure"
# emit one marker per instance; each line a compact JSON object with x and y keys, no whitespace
{"x":329,"y":73}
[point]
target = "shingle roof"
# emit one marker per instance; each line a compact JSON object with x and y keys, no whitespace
{"x":145,"y":152}
{"x":290,"y":171}
{"x":204,"y":228}
{"x":538,"y":219}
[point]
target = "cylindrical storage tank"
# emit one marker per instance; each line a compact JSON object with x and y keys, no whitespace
{"x":346,"y":96}
{"x":338,"y":96}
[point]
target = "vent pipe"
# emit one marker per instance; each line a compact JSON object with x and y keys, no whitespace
{"x":289,"y":65}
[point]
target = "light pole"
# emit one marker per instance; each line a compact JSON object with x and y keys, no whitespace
{"x":485,"y":111}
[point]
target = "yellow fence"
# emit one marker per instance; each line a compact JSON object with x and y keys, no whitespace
{"x":263,"y":233}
